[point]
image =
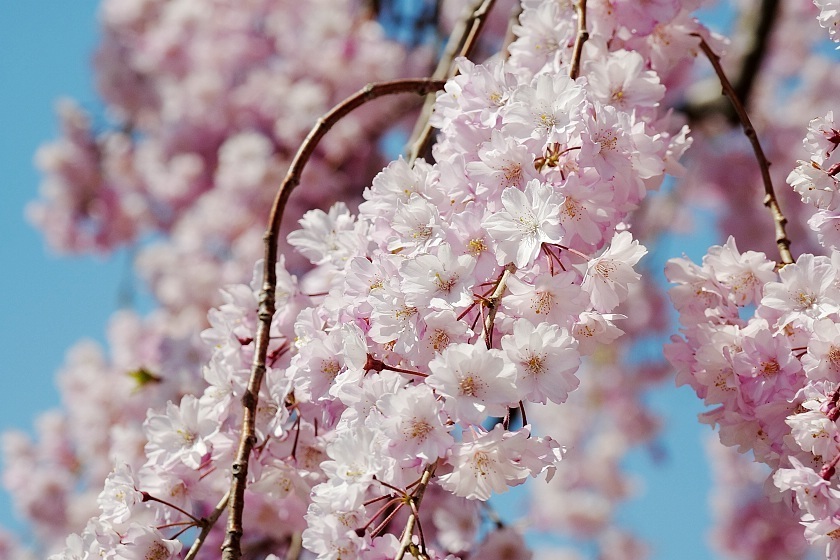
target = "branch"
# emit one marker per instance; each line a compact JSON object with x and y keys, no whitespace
{"x":770,"y":200}
{"x":580,"y":39}
{"x":461,"y":42}
{"x":416,"y":498}
{"x":492,"y":304}
{"x":231,"y":548}
{"x":207,"y":525}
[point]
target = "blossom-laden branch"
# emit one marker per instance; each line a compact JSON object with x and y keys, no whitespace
{"x":461,"y":42}
{"x":581,"y":37}
{"x":770,"y":200}
{"x":231,"y":547}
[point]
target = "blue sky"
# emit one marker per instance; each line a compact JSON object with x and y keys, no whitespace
{"x":47,"y":303}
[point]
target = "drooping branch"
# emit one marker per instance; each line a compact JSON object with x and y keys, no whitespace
{"x":770,"y":200}
{"x":231,"y":548}
{"x":461,"y":42}
{"x":581,"y":37}
{"x":416,"y":497}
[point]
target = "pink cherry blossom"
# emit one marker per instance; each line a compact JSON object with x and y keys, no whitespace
{"x":529,"y":219}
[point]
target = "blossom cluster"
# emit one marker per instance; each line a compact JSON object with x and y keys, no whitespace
{"x":762,"y":347}
{"x":752,"y":332}
{"x":460,"y":292}
{"x":206,"y":107}
{"x":815,"y":180}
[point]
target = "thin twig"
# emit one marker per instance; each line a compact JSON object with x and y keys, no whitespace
{"x":207,"y":525}
{"x":379,"y":529}
{"x":391,"y":501}
{"x":770,"y":200}
{"x":231,"y":548}
{"x":580,"y":39}
{"x":492,"y":304}
{"x":461,"y":42}
{"x":416,"y":498}
{"x":149,"y":498}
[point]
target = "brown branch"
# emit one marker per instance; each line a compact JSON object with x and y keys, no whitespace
{"x":231,"y":548}
{"x":770,"y":200}
{"x":580,"y":39}
{"x":492,"y":304}
{"x":461,"y":42}
{"x":206,"y":526}
{"x":416,"y":498}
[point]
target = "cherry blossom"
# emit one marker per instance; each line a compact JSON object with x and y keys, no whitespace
{"x":546,"y":359}
{"x":529,"y":219}
{"x":607,"y":277}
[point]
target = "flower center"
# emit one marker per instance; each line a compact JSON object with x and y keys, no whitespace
{"x":535,"y":364}
{"x":528,"y":223}
{"x":470,"y":386}
{"x":542,"y":303}
{"x":157,"y":552}
{"x":440,"y":340}
{"x":834,"y":357}
{"x":770,"y":368}
{"x":481,"y":463}
{"x":513,"y":174}
{"x":445,"y":284}
{"x":330,"y":368}
{"x":476,"y":246}
{"x":604,"y":268}
{"x":805,"y":299}
{"x":419,"y":430}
